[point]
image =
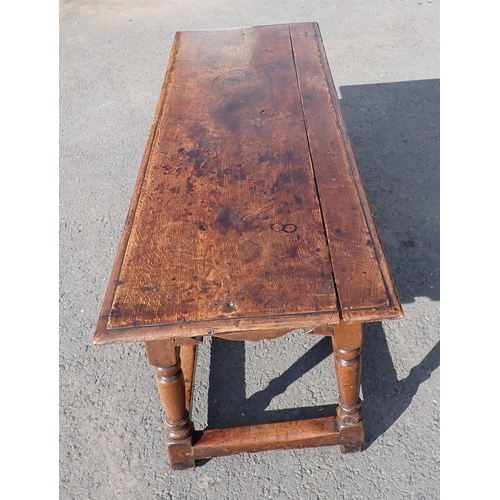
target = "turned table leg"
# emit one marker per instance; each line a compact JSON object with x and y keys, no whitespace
{"x":164,"y":357}
{"x":347,"y":341}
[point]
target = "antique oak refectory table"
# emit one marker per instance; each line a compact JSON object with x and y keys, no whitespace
{"x":248,"y":220}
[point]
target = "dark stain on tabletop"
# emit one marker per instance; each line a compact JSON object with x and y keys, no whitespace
{"x":228,"y":219}
{"x":252,"y":251}
{"x":287,"y":156}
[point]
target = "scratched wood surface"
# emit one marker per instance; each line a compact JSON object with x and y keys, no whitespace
{"x":226,"y":229}
{"x":364,"y":284}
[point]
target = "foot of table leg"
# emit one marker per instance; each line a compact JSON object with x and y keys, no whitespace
{"x":347,"y":341}
{"x":164,"y":357}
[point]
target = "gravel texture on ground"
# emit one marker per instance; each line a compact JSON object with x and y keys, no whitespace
{"x":384,"y":57}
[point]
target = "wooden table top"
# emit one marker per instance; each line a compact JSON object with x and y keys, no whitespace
{"x":249,"y":210}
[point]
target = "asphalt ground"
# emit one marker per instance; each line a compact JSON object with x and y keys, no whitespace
{"x":384,"y":57}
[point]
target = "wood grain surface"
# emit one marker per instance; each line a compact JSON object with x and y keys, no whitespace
{"x":275,"y":436}
{"x":365,"y":288}
{"x":249,"y":212}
